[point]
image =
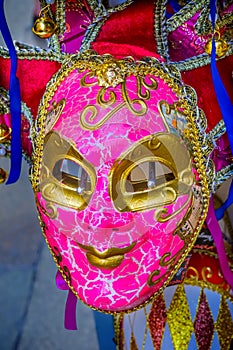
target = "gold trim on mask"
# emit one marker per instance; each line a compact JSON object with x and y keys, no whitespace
{"x":163,"y":149}
{"x":62,"y":187}
{"x":50,"y":210}
{"x":54,"y":113}
{"x":162,"y":262}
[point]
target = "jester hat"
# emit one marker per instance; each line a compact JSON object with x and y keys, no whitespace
{"x":126,"y":137}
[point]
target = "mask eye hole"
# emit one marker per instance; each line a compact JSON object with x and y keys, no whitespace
{"x":73,"y":175}
{"x":148,"y":175}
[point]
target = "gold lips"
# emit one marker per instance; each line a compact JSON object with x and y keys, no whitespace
{"x":108,"y":259}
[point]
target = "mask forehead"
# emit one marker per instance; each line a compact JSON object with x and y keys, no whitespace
{"x":114,"y":179}
{"x":90,"y":112}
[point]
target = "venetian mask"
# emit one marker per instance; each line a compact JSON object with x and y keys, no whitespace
{"x":119,"y":177}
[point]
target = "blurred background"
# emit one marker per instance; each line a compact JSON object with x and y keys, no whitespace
{"x":31,"y":307}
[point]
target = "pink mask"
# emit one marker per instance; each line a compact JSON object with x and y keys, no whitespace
{"x":119,"y":177}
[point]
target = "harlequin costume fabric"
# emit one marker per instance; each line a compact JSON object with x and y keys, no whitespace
{"x":196,"y":313}
{"x":104,"y":225}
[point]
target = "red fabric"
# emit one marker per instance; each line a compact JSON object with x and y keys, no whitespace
{"x":25,"y":131}
{"x":128,"y":26}
{"x":33,"y":76}
{"x":201,"y":80}
{"x":123,"y":50}
{"x":200,"y":261}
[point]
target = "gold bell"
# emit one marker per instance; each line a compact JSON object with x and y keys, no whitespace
{"x":4,"y":132}
{"x":220,"y":44}
{"x":3,"y":176}
{"x":44,"y":27}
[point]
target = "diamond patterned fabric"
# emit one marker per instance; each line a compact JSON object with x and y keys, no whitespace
{"x":157,"y":321}
{"x":179,"y":319}
{"x":204,"y":324}
{"x":204,"y":328}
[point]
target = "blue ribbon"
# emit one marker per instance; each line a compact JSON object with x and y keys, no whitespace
{"x":224,"y":104}
{"x":105,"y":330}
{"x":175,"y":6}
{"x":15,"y":102}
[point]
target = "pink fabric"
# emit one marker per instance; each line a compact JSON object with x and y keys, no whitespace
{"x":78,"y":20}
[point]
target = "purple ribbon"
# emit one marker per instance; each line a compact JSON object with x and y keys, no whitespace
{"x":216,"y":233}
{"x":71,"y":302}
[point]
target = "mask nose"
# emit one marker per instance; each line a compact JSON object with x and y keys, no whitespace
{"x":100,"y":212}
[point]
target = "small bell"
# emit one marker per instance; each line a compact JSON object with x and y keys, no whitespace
{"x":220,"y":45}
{"x":4,"y":132}
{"x":3,"y":176}
{"x":44,"y":27}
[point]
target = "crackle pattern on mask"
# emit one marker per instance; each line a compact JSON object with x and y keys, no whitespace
{"x":157,"y":248}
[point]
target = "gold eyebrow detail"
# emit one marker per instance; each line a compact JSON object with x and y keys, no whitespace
{"x":168,"y":151}
{"x":65,"y":191}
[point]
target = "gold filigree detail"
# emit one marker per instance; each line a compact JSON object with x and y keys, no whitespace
{"x":161,"y":215}
{"x":54,"y":113}
{"x":206,"y":273}
{"x":193,"y":273}
{"x":163,"y":262}
{"x":150,"y":281}
{"x":203,"y":277}
{"x":101,"y":98}
{"x":50,"y":211}
{"x":93,"y":112}
{"x":107,"y":97}
{"x":111,"y":73}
